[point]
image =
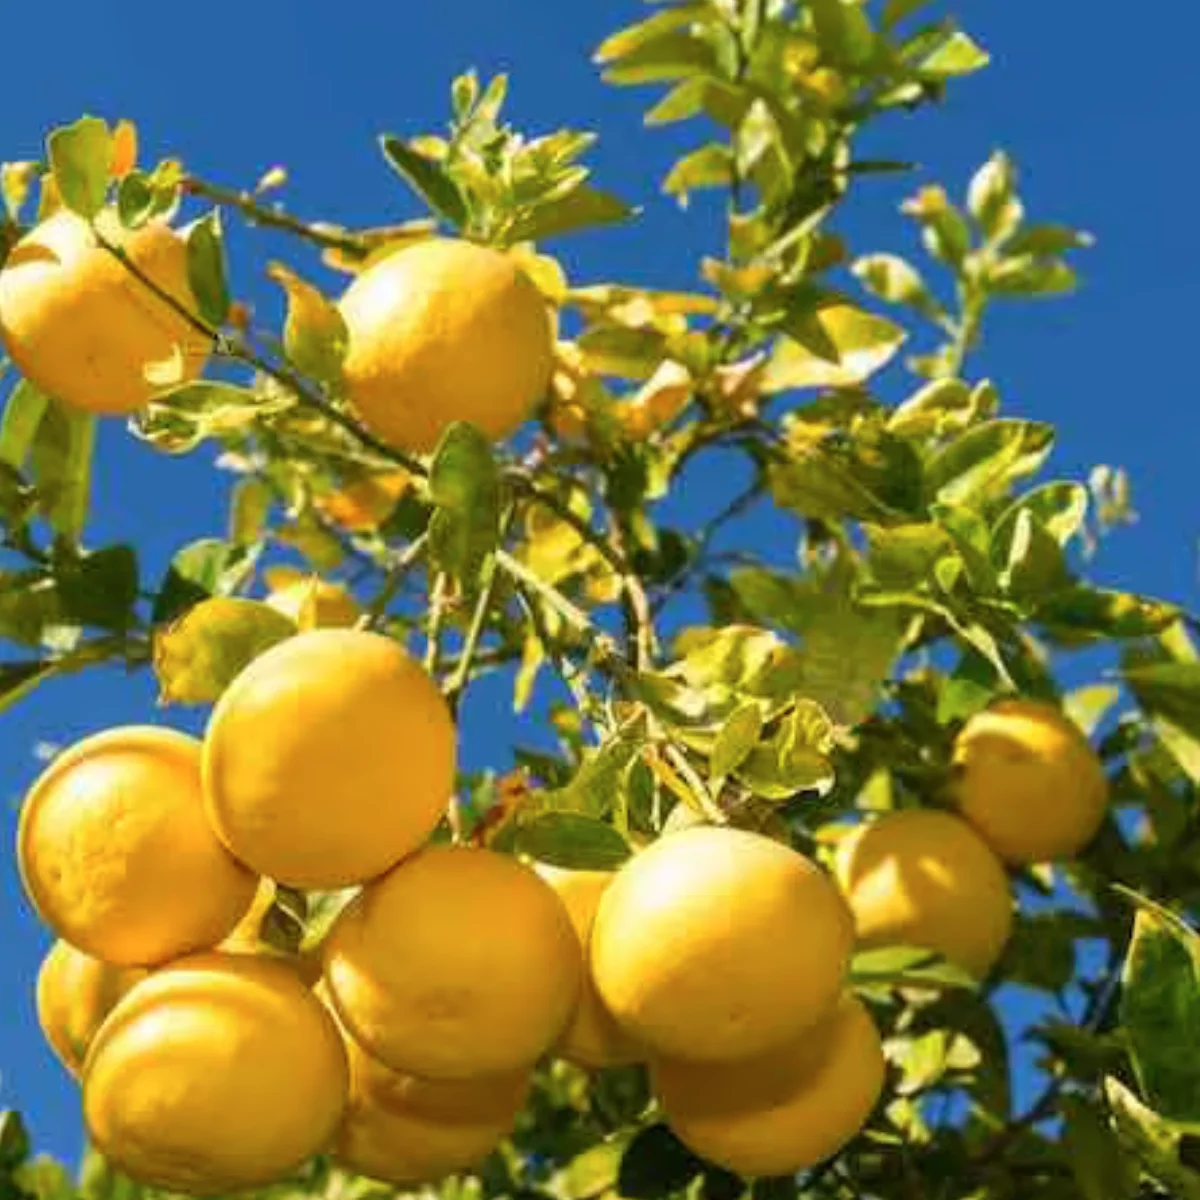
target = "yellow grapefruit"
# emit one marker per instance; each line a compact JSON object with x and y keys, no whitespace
{"x":717,"y":943}
{"x":82,"y":328}
{"x":443,"y":331}
{"x":458,"y":962}
{"x":328,"y":759}
{"x":1029,"y":781}
{"x":117,"y":856}
{"x":783,"y":1111}
{"x":217,"y":1073}
{"x":921,"y":877}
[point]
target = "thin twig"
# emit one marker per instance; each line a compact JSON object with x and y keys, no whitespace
{"x":235,"y":347}
{"x":257,"y":214}
{"x":437,"y":613}
{"x":376,"y":612}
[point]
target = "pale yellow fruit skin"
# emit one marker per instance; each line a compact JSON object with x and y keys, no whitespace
{"x":1029,"y":782}
{"x":217,"y":1073}
{"x":328,"y":759}
{"x":783,"y":1111}
{"x":117,"y":856}
{"x":74,"y":994}
{"x":82,"y":328}
{"x":405,"y":1130}
{"x":444,"y":331}
{"x":458,"y":962}
{"x":921,"y":877}
{"x":593,"y":1039}
{"x":715,"y":944}
{"x":325,"y":605}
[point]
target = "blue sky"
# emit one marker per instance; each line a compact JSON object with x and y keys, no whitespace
{"x":1091,"y":113}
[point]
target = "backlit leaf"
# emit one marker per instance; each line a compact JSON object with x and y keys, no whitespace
{"x":206,"y":268}
{"x":859,"y":343}
{"x":428,"y":178}
{"x":314,"y":332}
{"x":572,"y":840}
{"x":79,"y":156}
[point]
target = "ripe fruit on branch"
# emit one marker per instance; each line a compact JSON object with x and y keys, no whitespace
{"x":458,"y":962}
{"x":593,"y":1038}
{"x":782,"y":1111}
{"x":328,"y":759}
{"x":717,"y":944}
{"x":83,"y":328}
{"x":1029,"y":781}
{"x":406,"y":1130}
{"x":443,"y":331}
{"x":75,"y":992}
{"x":217,"y":1073}
{"x":921,"y":877}
{"x":117,"y":856}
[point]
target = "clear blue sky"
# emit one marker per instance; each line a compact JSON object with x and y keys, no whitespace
{"x":1092,"y":113}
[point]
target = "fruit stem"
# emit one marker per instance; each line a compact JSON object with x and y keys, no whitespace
{"x":457,"y":683}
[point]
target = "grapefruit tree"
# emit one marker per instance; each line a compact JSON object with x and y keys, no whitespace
{"x":743,"y":912}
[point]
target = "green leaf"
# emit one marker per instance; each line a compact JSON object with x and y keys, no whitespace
{"x":206,"y":268}
{"x":655,"y":1164}
{"x":249,"y":509}
{"x":895,"y":280}
{"x":585,"y":207}
{"x":705,"y":167}
{"x":1160,"y":1007}
{"x":201,"y":569}
{"x":1153,"y":1142}
{"x":595,"y":788}
{"x":1025,"y":275}
{"x":843,"y":31}
{"x":573,"y":841}
{"x":1082,"y":613}
{"x":907,"y":966}
{"x":736,"y":738}
{"x":198,"y":656}
{"x":23,"y":413}
{"x":1044,"y":241}
{"x":464,"y":484}
{"x":315,"y":336}
{"x":427,"y":178}
{"x":674,"y":54}
{"x":895,"y":11}
{"x":100,"y":588}
{"x":17,"y":680}
{"x":983,"y":462}
{"x":1090,"y":1146}
{"x":1060,"y":508}
{"x":969,"y":533}
{"x":61,"y":467}
{"x":1168,"y":689}
{"x":957,"y":54}
{"x":722,"y":101}
{"x":795,"y":759}
{"x":79,"y":156}
{"x":136,"y":199}
{"x":634,"y":37}
{"x":1032,"y":560}
{"x":835,"y":345}
{"x":14,"y":1140}
{"x":990,"y":197}
{"x":902,"y":556}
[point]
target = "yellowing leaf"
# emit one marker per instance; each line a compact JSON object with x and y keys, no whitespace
{"x":545,"y":270}
{"x":124,"y":152}
{"x":859,"y":344}
{"x":165,"y":372}
{"x":659,"y":400}
{"x":361,"y":506}
{"x":314,"y":333}
{"x":272,"y":178}
{"x":197,"y":657}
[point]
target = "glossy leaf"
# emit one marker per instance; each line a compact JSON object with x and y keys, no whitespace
{"x":61,"y":467}
{"x":428,"y":178}
{"x":1160,"y":1005}
{"x":23,"y":413}
{"x":706,"y":167}
{"x":201,"y":569}
{"x":314,"y":331}
{"x":17,"y":680}
{"x":584,"y":207}
{"x":198,"y":656}
{"x":735,"y":740}
{"x":907,"y":966}
{"x":207,"y":270}
{"x":100,"y":588}
{"x":985,"y":460}
{"x":79,"y":156}
{"x":573,"y":841}
{"x":837,"y":345}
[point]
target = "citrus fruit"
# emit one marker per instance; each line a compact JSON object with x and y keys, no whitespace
{"x":75,"y":992}
{"x":782,"y":1111}
{"x":216,"y":1073}
{"x":82,"y":328}
{"x":593,"y":1038}
{"x":117,"y":856}
{"x":328,"y":759}
{"x":716,"y":943}
{"x":921,"y":877}
{"x":402,"y":1129}
{"x":1029,"y":781}
{"x":442,"y":331}
{"x":458,"y":962}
